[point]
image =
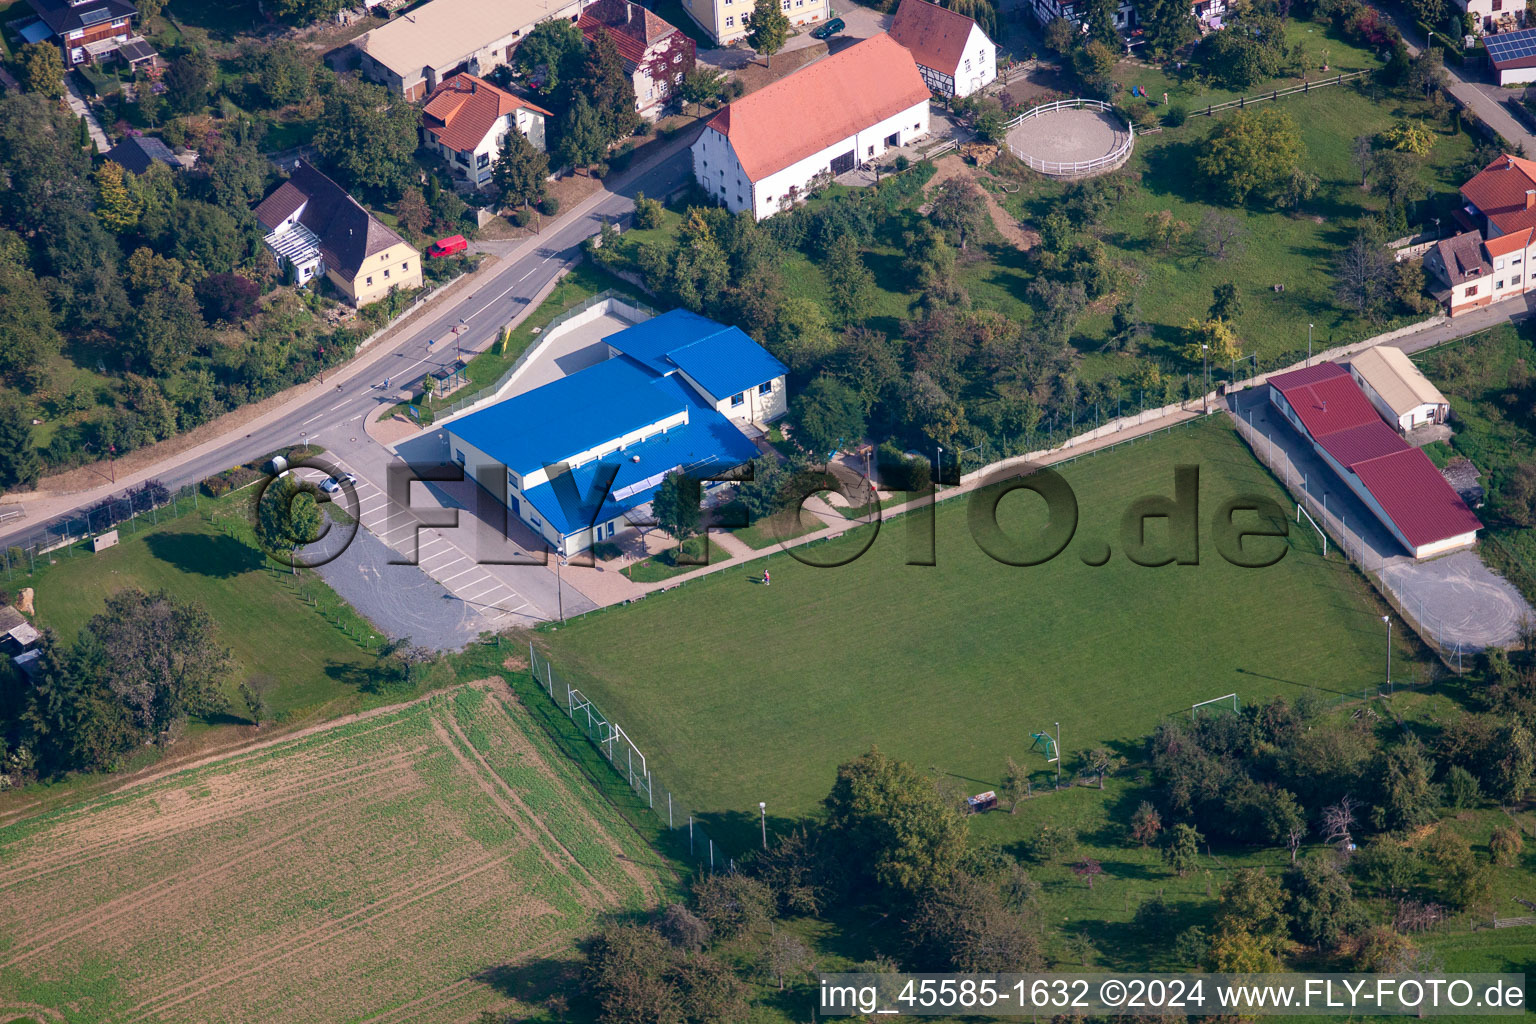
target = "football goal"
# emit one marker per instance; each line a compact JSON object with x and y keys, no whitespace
{"x":1216,"y":703}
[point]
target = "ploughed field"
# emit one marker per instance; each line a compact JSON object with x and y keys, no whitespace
{"x":417,"y":863}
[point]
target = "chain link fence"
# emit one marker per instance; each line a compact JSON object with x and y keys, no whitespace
{"x":614,"y":747}
{"x":129,"y":512}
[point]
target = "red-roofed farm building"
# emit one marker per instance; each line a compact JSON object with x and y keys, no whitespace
{"x":1395,"y":480}
{"x":766,"y":151}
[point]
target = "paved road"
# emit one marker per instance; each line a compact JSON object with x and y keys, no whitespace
{"x":334,"y":416}
{"x":1484,"y":98}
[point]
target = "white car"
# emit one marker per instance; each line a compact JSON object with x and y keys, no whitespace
{"x":332,"y":485}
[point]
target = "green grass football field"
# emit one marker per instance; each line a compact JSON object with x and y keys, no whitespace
{"x":739,"y":693}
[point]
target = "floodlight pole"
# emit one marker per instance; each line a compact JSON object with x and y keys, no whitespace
{"x":938,"y":465}
{"x":1388,"y":620}
{"x":559,"y":587}
{"x":1058,"y":755}
{"x":1205,"y":362}
{"x":1309,"y":344}
{"x":762,"y":807}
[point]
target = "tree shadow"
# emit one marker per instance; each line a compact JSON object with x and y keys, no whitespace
{"x":220,"y":557}
{"x":379,"y":677}
{"x":533,"y":982}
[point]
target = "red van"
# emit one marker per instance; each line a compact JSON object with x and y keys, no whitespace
{"x":447,"y":246}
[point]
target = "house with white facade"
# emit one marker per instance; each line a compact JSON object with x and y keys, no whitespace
{"x":83,"y":30}
{"x":579,"y":460}
{"x":765,"y":151}
{"x":1489,"y":259}
{"x":1047,"y":11}
{"x":418,"y":50}
{"x":656,"y":54}
{"x":466,"y":118}
{"x":954,"y":55}
{"x":1398,"y":389}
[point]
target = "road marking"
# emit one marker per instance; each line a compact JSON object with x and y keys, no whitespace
{"x":455,"y":576}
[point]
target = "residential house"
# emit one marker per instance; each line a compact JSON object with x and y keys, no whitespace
{"x":1512,"y":53}
{"x":1397,"y":388}
{"x":316,"y":229}
{"x":466,"y":118}
{"x":137,"y":153}
{"x":424,"y":47}
{"x":1391,"y":477}
{"x":83,"y":30}
{"x":765,"y":151}
{"x":725,"y":21}
{"x":1488,"y":259}
{"x":954,"y":55}
{"x":656,"y":54}
{"x":579,"y":459}
{"x":1047,"y":11}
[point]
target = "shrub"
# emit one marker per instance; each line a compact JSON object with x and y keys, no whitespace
{"x":901,"y":162}
{"x":644,"y":128}
{"x":647,"y":212}
{"x":1175,"y":115}
{"x":600,"y":170}
{"x":607,"y":550}
{"x":549,"y":206}
{"x":519,"y":218}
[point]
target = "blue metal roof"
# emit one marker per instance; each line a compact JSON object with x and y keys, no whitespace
{"x":571,"y":415}
{"x":722,"y":359}
{"x":728,"y":363}
{"x":706,"y":445}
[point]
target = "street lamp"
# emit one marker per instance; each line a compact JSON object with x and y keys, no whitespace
{"x":1388,"y":620}
{"x":1309,"y":344}
{"x":559,"y":588}
{"x":938,"y":465}
{"x":762,"y":809}
{"x":1205,"y":362}
{"x":1058,"y":755}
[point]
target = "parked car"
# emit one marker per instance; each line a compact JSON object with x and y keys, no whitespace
{"x":447,"y":246}
{"x":332,"y":485}
{"x":829,"y":30}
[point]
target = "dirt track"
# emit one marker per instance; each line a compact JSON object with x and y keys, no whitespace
{"x":295,"y":879}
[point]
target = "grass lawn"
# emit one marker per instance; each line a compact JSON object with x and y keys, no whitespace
{"x":222,"y":19}
{"x":1488,"y":379}
{"x":1186,"y":89}
{"x":306,"y":664}
{"x":1291,"y":250}
{"x":953,"y":666}
{"x":662,"y":566}
{"x":776,"y":528}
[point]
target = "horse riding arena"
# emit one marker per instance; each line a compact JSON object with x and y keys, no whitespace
{"x":420,"y":863}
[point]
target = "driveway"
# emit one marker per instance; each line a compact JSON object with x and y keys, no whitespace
{"x":862,"y":23}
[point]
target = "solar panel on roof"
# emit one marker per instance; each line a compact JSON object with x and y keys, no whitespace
{"x":88,"y":18}
{"x":1511,"y":45}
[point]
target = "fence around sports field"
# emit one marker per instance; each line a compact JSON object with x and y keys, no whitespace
{"x":1075,"y":168}
{"x":689,"y":839}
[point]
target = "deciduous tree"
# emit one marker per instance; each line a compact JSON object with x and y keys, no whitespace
{"x":826,"y":416}
{"x":897,"y":831}
{"x":42,"y":69}
{"x":676,"y":505}
{"x":1250,"y":154}
{"x":768,"y":30}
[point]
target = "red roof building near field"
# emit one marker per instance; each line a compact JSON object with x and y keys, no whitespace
{"x":1395,"y":479}
{"x":822,"y":103}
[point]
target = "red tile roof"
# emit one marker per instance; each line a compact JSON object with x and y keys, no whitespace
{"x":935,"y":35}
{"x":1358,"y":444}
{"x":1506,"y":244}
{"x":634,"y":29}
{"x":1418,"y":499}
{"x":1326,"y":398}
{"x":821,"y":104}
{"x":1343,"y":423}
{"x":1499,"y":191}
{"x":460,"y":112}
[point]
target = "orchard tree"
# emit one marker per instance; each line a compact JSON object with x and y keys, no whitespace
{"x":1146,"y":824}
{"x":768,"y":30}
{"x":1014,"y":785}
{"x":1088,"y":869}
{"x":520,"y":171}
{"x":1517,"y":495}
{"x":1226,"y":302}
{"x":1250,"y":154}
{"x":899,"y":834}
{"x":849,"y":281}
{"x":1181,"y":849}
{"x":1220,"y":236}
{"x":161,"y":657}
{"x":958,"y":206}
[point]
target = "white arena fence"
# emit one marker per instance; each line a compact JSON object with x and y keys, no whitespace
{"x":1061,"y":169}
